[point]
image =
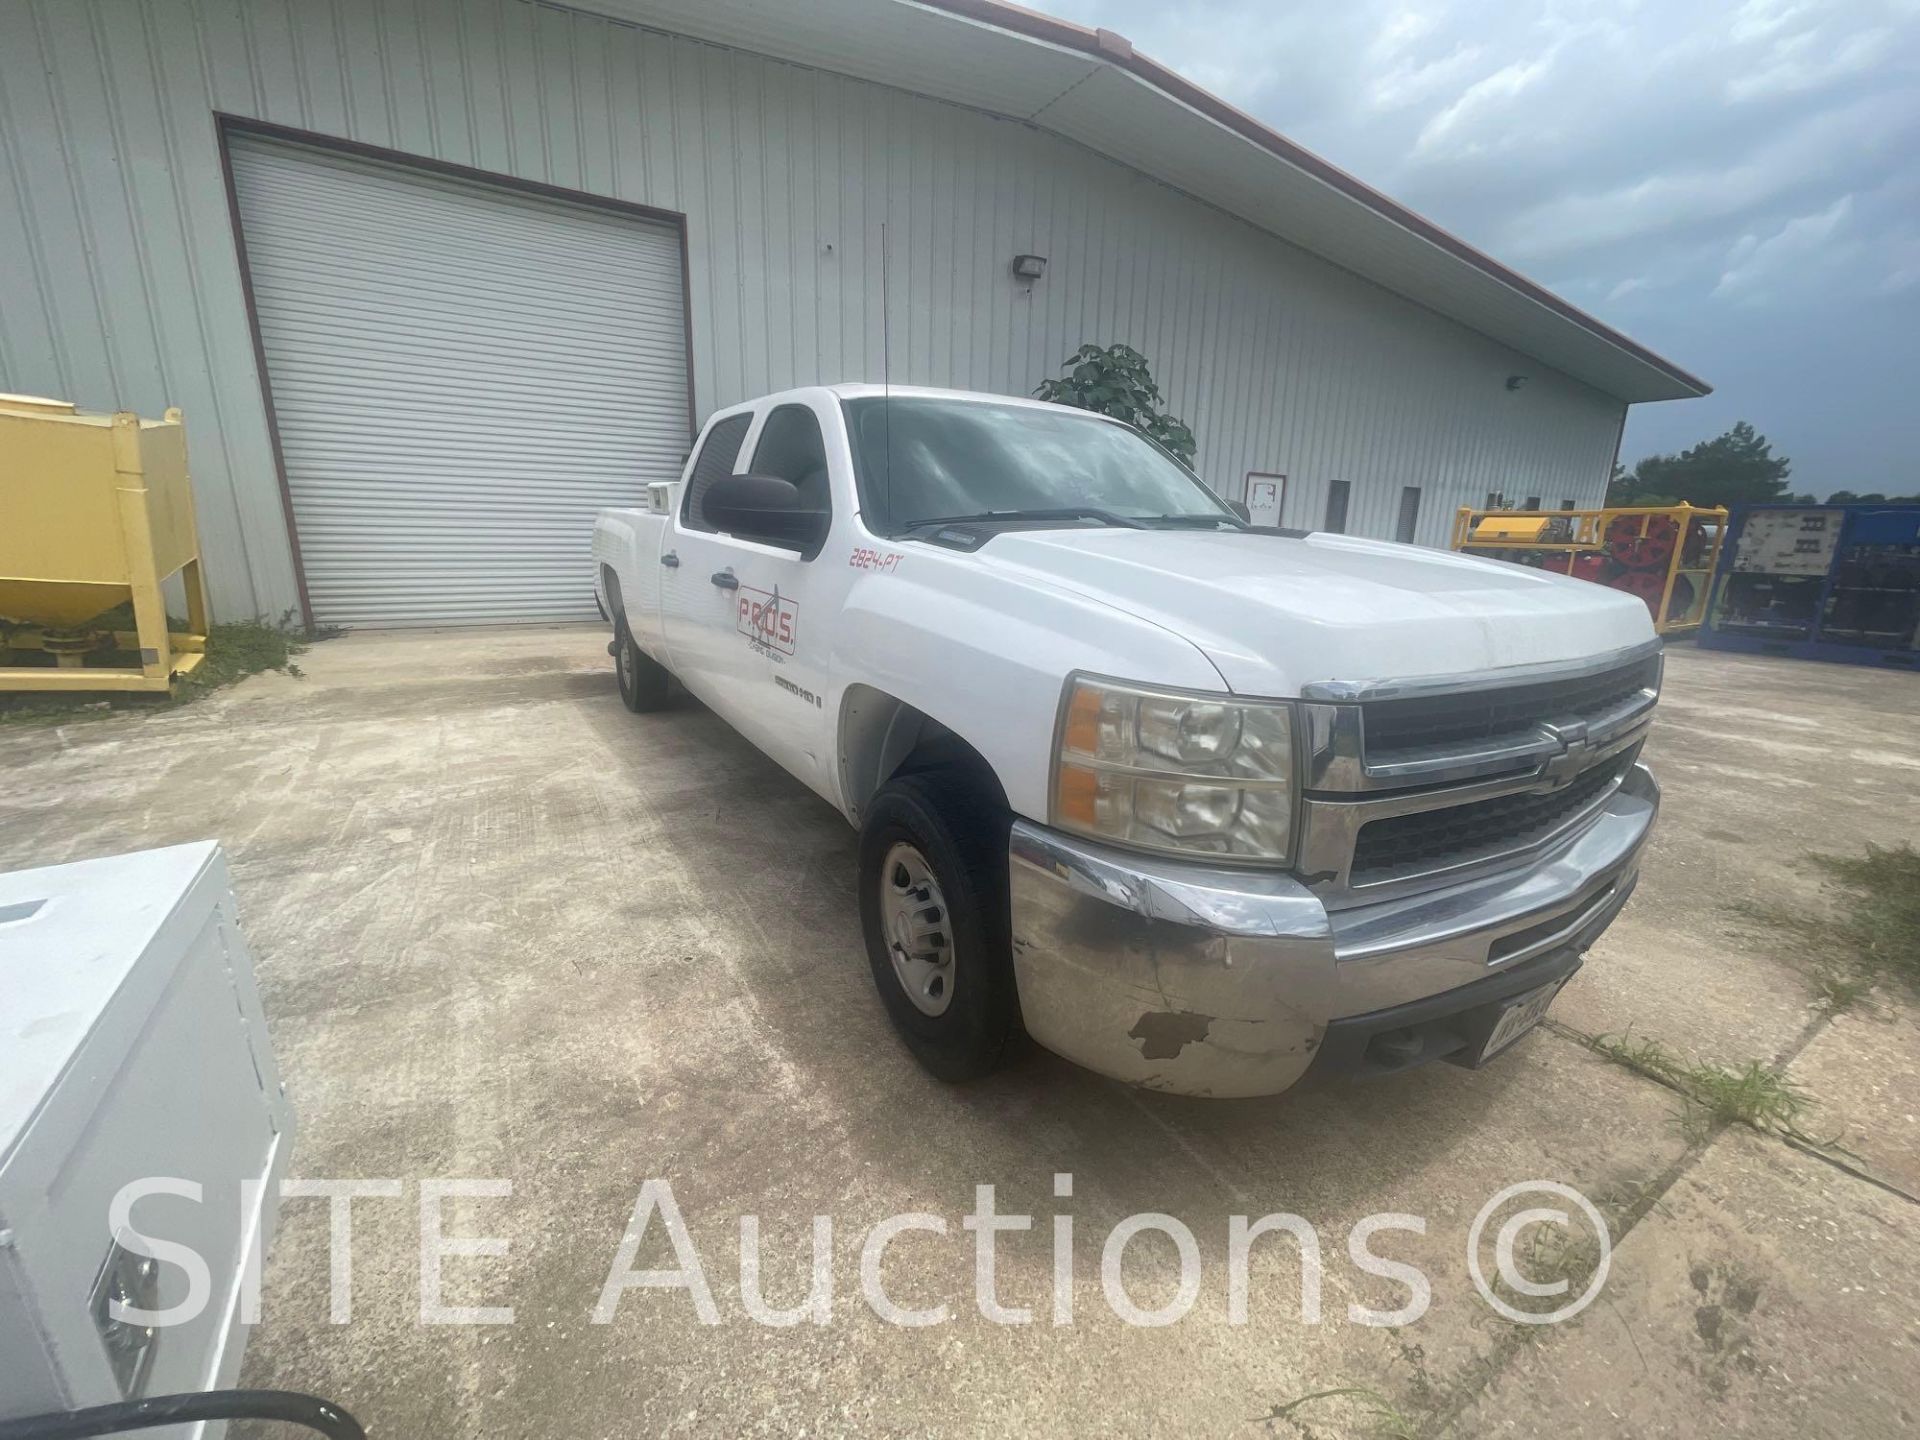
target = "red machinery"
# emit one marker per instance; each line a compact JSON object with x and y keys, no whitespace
{"x":1661,"y":554}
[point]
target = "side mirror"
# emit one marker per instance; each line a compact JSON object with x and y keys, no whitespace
{"x":1240,"y":510}
{"x":764,"y":508}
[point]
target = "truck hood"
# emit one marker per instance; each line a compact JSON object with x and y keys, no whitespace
{"x":1274,"y":613}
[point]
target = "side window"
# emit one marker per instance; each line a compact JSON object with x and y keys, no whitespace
{"x":791,"y":449}
{"x":715,"y":460}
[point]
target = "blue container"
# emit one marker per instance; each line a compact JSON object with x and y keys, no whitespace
{"x":1819,"y":582}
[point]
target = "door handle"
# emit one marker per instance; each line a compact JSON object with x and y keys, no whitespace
{"x":670,"y":560}
{"x":726,"y":580}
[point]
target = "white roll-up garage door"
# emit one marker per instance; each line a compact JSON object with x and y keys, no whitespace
{"x":462,"y":373}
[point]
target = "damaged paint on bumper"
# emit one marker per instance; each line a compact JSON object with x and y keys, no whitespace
{"x":1179,"y":976}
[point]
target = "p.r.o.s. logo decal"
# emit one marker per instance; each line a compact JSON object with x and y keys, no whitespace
{"x":768,"y":619}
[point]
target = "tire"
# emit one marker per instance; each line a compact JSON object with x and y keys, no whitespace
{"x":957,"y":1014}
{"x":645,"y":684}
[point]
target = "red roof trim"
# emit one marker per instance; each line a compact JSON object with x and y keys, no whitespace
{"x":1117,"y":50}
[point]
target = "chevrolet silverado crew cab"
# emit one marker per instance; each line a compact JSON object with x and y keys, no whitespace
{"x":1201,"y":806}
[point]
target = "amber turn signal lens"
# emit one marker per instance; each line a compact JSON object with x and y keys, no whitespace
{"x":1083,"y":721}
{"x":1075,"y":802}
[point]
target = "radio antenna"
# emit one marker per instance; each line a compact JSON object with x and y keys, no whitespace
{"x":886,"y":373}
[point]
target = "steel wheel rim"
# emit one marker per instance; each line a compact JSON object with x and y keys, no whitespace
{"x":919,"y":929}
{"x":623,"y":663}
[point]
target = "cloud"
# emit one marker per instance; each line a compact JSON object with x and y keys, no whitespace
{"x":1736,"y":185}
{"x":1480,"y":107}
{"x":1755,"y":265}
{"x":1804,"y":156}
{"x":1802,"y":62}
{"x":1407,"y":81}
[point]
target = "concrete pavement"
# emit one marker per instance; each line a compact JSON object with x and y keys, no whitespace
{"x":506,"y":930}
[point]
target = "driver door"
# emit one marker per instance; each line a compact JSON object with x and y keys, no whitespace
{"x":764,"y":633}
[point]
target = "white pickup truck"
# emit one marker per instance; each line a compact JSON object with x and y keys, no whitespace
{"x":1201,"y":806}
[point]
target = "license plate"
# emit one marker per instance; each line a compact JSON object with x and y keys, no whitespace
{"x":1520,"y":1015}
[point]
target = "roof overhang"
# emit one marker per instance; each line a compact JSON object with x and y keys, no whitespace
{"x":1092,"y":87}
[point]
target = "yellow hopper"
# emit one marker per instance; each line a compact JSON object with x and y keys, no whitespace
{"x":96,"y":511}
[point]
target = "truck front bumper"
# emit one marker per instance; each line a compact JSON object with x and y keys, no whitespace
{"x":1200,"y":980}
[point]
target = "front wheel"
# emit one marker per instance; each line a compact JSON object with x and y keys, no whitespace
{"x":645,"y":684}
{"x":933,"y":907}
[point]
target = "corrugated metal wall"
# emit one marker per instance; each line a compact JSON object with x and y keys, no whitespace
{"x":123,"y":289}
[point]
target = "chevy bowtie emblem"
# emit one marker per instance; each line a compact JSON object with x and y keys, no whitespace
{"x":1562,"y":768}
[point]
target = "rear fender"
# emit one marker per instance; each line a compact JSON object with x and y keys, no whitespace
{"x":627,"y":545}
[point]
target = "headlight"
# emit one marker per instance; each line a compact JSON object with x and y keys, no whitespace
{"x":1191,"y":774}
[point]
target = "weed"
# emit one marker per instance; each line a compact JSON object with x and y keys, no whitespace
{"x":238,"y":650}
{"x":1551,"y":1254}
{"x":234,"y":651}
{"x":1387,"y":1421}
{"x":1753,"y":1094}
{"x":1880,"y":923}
{"x":1871,"y":933}
{"x":1836,"y":990}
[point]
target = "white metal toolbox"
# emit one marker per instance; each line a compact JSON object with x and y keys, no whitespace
{"x":132,"y":1049}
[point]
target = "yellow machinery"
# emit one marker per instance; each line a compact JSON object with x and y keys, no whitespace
{"x":96,"y":511}
{"x":1663,"y":554}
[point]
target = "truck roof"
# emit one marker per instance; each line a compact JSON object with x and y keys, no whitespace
{"x":862,"y":389}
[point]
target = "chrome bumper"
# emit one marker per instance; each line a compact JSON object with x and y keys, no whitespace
{"x":1204,"y":981}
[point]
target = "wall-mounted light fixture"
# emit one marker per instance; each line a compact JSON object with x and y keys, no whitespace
{"x":1029,"y":267}
{"x":1514,"y":382}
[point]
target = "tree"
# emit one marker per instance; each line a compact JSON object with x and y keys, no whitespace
{"x":1116,"y":382}
{"x":1739,"y":465}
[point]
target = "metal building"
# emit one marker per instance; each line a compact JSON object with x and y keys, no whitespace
{"x":433,"y":279}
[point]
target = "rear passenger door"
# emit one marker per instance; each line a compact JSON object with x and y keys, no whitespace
{"x":688,"y":556}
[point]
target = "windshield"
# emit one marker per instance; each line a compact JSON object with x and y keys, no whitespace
{"x":948,"y":459}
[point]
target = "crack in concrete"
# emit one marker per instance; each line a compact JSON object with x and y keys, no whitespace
{"x":1785,"y":1060}
{"x":1472,"y":1387}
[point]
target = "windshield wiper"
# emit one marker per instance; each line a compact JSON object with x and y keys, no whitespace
{"x":1196,"y":521}
{"x":1063,"y":512}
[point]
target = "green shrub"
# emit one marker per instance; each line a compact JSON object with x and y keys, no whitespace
{"x":1116,"y":382}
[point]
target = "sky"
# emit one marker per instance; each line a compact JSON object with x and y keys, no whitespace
{"x":1736,"y":185}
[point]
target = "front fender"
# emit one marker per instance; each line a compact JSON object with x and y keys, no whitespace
{"x":986,"y":656}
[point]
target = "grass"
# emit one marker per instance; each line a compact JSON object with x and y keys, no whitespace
{"x":1836,"y":990}
{"x":234,"y":651}
{"x":1869,"y":935}
{"x":1879,"y":924}
{"x":1754,"y":1094}
{"x":1386,"y":1420}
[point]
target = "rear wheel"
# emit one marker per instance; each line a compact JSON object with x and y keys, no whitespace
{"x":933,"y":906}
{"x":645,"y":684}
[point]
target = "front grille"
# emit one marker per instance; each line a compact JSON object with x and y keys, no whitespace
{"x":1430,"y":839}
{"x":1422,"y":721}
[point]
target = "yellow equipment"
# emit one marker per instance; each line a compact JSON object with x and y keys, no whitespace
{"x":95,"y":512}
{"x":1509,"y":529}
{"x":1662,"y":554}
